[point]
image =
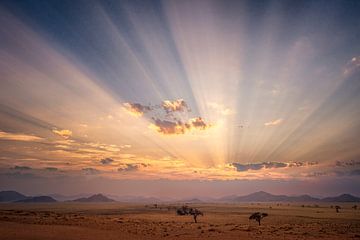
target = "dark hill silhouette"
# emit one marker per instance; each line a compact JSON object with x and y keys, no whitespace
{"x":342,"y":198}
{"x":38,"y":199}
{"x":11,"y":196}
{"x":267,"y":197}
{"x":94,"y":198}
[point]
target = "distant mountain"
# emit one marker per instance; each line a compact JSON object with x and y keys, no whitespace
{"x":11,"y":196}
{"x":38,"y":199}
{"x":138,"y":199}
{"x":342,"y":198}
{"x":192,"y":200}
{"x":94,"y":198}
{"x":267,"y":197}
{"x":63,"y":198}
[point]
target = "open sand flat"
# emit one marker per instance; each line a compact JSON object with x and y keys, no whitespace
{"x":221,"y":221}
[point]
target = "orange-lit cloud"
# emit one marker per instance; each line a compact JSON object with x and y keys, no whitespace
{"x":178,"y":105}
{"x":19,"y":137}
{"x":65,"y":133}
{"x":136,"y":109}
{"x":274,"y":123}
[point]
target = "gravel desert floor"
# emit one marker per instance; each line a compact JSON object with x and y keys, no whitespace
{"x":220,"y":221}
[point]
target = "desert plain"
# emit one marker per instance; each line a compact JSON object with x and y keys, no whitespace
{"x":140,"y":221}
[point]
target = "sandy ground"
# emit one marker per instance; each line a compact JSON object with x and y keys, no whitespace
{"x":221,"y":221}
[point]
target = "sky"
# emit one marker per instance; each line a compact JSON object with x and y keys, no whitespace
{"x":180,"y":98}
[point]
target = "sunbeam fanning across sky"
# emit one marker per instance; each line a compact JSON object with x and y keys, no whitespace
{"x":136,"y":96}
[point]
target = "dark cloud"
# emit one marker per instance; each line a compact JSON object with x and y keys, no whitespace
{"x":257,"y":166}
{"x":350,"y":163}
{"x":22,"y":168}
{"x":136,"y":109}
{"x":132,"y":167}
{"x":51,"y":169}
{"x":91,"y":171}
{"x":178,"y":127}
{"x":106,"y":161}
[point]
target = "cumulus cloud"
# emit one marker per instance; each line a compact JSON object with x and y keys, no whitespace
{"x":164,"y":120}
{"x":274,"y":123}
{"x":106,"y":161}
{"x":352,"y":66}
{"x":178,"y":105}
{"x":178,"y":127}
{"x":90,"y":171}
{"x":18,"y":137}
{"x":136,"y":109}
{"x":198,"y":123}
{"x":132,"y":167}
{"x":65,"y":133}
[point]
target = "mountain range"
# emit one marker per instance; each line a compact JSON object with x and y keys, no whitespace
{"x":94,"y":198}
{"x":267,"y":197}
{"x":13,"y":196}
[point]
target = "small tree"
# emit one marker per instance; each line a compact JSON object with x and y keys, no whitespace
{"x":185,"y":210}
{"x":337,"y":208}
{"x":195,"y":212}
{"x":258,"y":216}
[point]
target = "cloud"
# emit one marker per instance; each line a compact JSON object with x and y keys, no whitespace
{"x":167,"y":127}
{"x":91,"y":171}
{"x":317,"y":174}
{"x":257,"y":166}
{"x":178,"y":105}
{"x":352,"y":66}
{"x":199,"y":123}
{"x":22,"y":168}
{"x":302,"y":164}
{"x":125,"y":146}
{"x":273,"y":123}
{"x":18,"y":137}
{"x":136,"y":109}
{"x":106,"y":161}
{"x":267,"y":165}
{"x":65,"y":133}
{"x":51,"y":169}
{"x":132,"y":167}
{"x":350,"y":163}
{"x":164,"y":121}
{"x":221,"y":108}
